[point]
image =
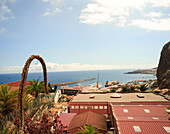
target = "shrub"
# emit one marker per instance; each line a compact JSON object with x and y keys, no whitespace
{"x":43,"y":126}
{"x":125,"y":89}
{"x":142,"y":88}
{"x":113,"y":90}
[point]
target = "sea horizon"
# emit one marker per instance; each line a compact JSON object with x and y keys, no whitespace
{"x":66,"y":76}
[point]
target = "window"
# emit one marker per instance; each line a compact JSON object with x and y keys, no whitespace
{"x":81,"y":107}
{"x":95,"y":107}
{"x":155,"y":118}
{"x":167,"y":129}
{"x":100,"y":107}
{"x":72,"y":107}
{"x":85,"y":107}
{"x":130,"y":117}
{"x":137,"y":128}
{"x":91,"y":107}
{"x":105,"y":107}
{"x":76,"y":107}
{"x":125,"y":110}
{"x":146,"y":110}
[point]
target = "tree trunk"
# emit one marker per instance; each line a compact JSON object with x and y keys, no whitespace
{"x":21,"y":88}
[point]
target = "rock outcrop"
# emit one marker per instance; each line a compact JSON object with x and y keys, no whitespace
{"x":163,"y":71}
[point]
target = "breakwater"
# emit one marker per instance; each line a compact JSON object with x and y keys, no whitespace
{"x":72,"y":82}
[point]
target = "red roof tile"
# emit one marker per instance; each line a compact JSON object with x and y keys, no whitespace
{"x":89,"y":118}
{"x":145,"y":127}
{"x":17,"y":83}
{"x":66,"y":118}
{"x":136,"y":110}
{"x":152,"y":121}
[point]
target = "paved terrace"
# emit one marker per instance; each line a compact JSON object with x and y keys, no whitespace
{"x":125,"y":97}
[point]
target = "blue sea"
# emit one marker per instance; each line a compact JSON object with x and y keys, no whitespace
{"x":58,"y":77}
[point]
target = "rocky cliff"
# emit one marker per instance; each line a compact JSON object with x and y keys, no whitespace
{"x":163,"y":71}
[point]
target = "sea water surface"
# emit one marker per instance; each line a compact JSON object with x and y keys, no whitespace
{"x":58,"y":77}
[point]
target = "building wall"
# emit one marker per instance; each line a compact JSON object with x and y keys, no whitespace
{"x":97,"y":107}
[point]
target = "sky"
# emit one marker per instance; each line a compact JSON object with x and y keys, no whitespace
{"x":73,"y":35}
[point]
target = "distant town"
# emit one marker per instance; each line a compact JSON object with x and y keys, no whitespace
{"x":144,"y":71}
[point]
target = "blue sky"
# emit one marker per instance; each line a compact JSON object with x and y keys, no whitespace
{"x":83,"y":34}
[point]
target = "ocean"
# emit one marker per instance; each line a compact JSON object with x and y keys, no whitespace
{"x":58,"y":77}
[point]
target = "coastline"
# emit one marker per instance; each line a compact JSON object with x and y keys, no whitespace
{"x":152,"y":71}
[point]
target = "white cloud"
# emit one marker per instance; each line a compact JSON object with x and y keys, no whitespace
{"x":2,"y":30}
{"x":54,"y":67}
{"x":154,"y":24}
{"x":52,"y":13}
{"x":70,"y":8}
{"x":4,"y":12}
{"x":154,"y":14}
{"x":125,"y":12}
{"x":53,"y":2}
{"x":53,"y":7}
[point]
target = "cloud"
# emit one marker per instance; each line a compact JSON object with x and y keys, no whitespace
{"x":2,"y":30}
{"x":154,"y":24}
{"x":70,"y":8}
{"x":52,"y":13}
{"x":125,"y":12}
{"x":154,"y":14}
{"x":53,"y":7}
{"x":54,"y":67}
{"x":5,"y":12}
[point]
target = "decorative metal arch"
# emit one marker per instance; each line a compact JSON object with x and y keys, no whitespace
{"x":21,"y":88}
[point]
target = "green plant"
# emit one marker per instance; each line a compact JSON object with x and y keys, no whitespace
{"x":125,"y":89}
{"x":88,"y":130}
{"x":113,"y":90}
{"x":132,"y":88}
{"x":142,"y":88}
{"x":8,"y":101}
{"x":41,"y":126}
{"x":21,"y":87}
{"x":35,"y":87}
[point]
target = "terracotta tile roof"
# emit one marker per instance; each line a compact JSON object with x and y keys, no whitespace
{"x":15,"y":85}
{"x":66,"y":118}
{"x":89,"y":118}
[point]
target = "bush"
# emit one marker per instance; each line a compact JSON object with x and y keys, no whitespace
{"x":113,"y":90}
{"x":132,"y":88}
{"x":142,"y":88}
{"x":125,"y":89}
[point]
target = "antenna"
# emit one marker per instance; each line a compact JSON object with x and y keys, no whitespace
{"x":98,"y":81}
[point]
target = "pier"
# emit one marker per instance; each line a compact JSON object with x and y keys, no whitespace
{"x":71,"y":82}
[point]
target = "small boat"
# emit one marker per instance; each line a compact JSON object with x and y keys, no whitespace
{"x":111,"y":83}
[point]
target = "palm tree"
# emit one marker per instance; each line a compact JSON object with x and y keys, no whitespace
{"x":88,"y":130}
{"x":35,"y":87}
{"x":8,"y":101}
{"x":22,"y":84}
